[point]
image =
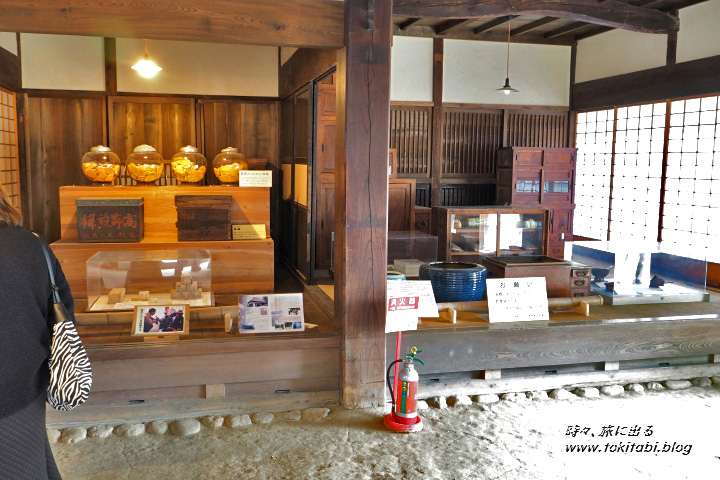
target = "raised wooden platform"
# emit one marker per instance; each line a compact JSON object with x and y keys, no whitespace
{"x":633,"y":336}
{"x":207,"y":372}
{"x":250,"y":205}
{"x":238,"y":266}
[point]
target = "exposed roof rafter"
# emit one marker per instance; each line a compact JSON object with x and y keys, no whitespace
{"x":531,"y":26}
{"x":492,"y":24}
{"x":609,"y":13}
{"x":449,"y":26}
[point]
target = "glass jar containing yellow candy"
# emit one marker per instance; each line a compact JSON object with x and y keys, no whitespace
{"x":188,"y":165}
{"x":145,"y":165}
{"x":227,"y":165}
{"x":101,"y":166}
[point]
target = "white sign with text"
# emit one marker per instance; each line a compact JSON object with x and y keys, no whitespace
{"x":517,"y":299}
{"x":406,"y":301}
{"x":255,"y":178}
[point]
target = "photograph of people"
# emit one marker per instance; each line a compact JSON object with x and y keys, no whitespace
{"x":151,"y":323}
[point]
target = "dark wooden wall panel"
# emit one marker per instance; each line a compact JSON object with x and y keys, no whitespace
{"x":61,"y":131}
{"x":470,"y":141}
{"x":10,"y":76}
{"x":252,"y":127}
{"x":410,"y":135}
{"x":537,"y":129}
{"x":305,"y":65}
{"x":164,"y":123}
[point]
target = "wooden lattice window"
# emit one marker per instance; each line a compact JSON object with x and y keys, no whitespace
{"x":639,"y":142}
{"x":537,"y":129}
{"x":471,"y":138}
{"x":691,"y":213}
{"x":410,"y":135}
{"x":9,"y":163}
{"x":592,"y":173}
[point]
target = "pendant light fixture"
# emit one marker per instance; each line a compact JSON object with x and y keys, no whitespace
{"x":146,"y":67}
{"x":507,"y":89}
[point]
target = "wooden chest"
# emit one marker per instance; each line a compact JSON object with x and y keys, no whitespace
{"x":557,"y":272}
{"x":110,"y":220}
{"x":203,"y":217}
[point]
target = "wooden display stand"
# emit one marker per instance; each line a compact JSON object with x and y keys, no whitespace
{"x":239,"y":266}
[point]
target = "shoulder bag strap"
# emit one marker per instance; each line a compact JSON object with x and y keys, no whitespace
{"x":56,"y":295}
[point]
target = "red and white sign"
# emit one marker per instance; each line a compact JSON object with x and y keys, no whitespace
{"x":403,"y":303}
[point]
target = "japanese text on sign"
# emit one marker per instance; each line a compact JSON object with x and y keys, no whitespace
{"x":517,"y":299}
{"x":108,"y":225}
{"x":255,"y":178}
{"x":403,"y":303}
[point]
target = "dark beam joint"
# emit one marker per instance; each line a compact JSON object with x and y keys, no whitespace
{"x":492,"y":24}
{"x":450,"y":26}
{"x":592,"y":33}
{"x":610,"y":13}
{"x":531,"y":26}
{"x":409,"y":23}
{"x":566,"y":29}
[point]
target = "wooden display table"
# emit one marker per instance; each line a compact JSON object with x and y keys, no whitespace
{"x":238,"y":266}
{"x":615,"y":344}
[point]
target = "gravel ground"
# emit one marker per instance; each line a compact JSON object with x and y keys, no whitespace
{"x":516,"y":438}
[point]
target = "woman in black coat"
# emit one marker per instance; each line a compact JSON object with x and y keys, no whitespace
{"x":25,"y":334}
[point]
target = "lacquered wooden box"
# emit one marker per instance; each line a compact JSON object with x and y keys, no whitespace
{"x":110,"y":220}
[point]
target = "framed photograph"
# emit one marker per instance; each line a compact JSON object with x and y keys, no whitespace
{"x":161,"y":320}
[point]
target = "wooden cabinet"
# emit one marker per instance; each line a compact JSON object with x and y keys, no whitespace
{"x":471,"y":233}
{"x":543,"y":177}
{"x":401,"y":204}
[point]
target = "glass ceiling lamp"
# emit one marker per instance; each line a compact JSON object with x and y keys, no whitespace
{"x":507,"y":89}
{"x":146,"y":67}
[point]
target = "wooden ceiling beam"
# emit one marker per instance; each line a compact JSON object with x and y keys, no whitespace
{"x":409,"y":23}
{"x":450,"y":26}
{"x":565,"y":29}
{"x":309,"y":23}
{"x":492,"y":24}
{"x":609,"y":13}
{"x":592,"y":33}
{"x":531,"y":26}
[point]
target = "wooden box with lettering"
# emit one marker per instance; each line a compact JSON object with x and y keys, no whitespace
{"x":110,"y":220}
{"x":555,"y":271}
{"x":203,"y":217}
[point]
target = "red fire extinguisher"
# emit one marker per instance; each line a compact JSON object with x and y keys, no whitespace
{"x":404,"y":417}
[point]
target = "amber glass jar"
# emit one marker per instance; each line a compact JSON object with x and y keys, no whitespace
{"x":227,"y":165}
{"x":101,"y":165}
{"x":145,"y":165}
{"x":188,"y":165}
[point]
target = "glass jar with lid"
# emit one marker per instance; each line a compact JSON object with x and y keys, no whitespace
{"x":188,"y":165}
{"x":145,"y":165}
{"x":227,"y":165}
{"x":100,"y":165}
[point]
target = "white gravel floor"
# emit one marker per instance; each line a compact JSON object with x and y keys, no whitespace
{"x":511,"y":439}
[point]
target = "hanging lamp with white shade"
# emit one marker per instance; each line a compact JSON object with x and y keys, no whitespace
{"x":146,"y":67}
{"x":507,"y":89}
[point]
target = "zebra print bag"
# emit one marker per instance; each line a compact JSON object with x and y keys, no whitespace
{"x":70,"y":373}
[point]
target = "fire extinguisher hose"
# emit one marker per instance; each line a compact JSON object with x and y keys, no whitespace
{"x":387,"y":378}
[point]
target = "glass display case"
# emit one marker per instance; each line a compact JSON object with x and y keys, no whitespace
{"x":628,"y":273}
{"x":412,"y":244}
{"x":120,"y":280}
{"x":471,"y":233}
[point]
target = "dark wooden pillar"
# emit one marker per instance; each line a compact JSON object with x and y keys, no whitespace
{"x":363,"y":123}
{"x":437,"y":121}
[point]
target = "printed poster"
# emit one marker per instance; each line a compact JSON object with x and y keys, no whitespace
{"x":271,"y":313}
